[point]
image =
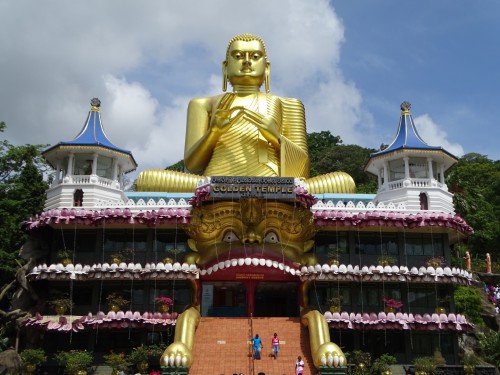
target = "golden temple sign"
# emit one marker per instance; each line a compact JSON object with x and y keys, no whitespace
{"x":234,"y":187}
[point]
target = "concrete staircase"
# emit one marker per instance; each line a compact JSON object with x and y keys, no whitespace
{"x":222,"y":346}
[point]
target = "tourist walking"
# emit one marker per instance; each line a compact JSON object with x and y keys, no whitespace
{"x":257,"y":346}
{"x":299,"y":366}
{"x":275,"y":341}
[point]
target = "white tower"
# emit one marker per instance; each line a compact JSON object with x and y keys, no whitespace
{"x":410,"y":171}
{"x":89,"y":169}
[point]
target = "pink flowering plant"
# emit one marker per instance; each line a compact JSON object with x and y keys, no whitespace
{"x":392,"y":303}
{"x":164,"y":300}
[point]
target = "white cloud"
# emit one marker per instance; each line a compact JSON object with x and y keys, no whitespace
{"x":146,"y":60}
{"x":431,"y":133}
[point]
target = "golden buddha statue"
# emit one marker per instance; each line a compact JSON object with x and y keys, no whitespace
{"x":246,"y":132}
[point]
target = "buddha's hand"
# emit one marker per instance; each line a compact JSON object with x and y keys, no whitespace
{"x":176,"y":352}
{"x":223,"y":119}
{"x":266,"y":125}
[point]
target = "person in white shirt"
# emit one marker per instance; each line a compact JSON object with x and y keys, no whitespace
{"x":299,"y":366}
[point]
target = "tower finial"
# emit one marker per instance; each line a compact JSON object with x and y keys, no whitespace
{"x":95,"y":103}
{"x":405,"y":106}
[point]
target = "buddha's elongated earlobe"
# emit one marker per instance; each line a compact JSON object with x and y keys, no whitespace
{"x":267,"y":77}
{"x":224,"y":76}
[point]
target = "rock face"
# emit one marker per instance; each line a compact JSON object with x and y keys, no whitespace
{"x":10,"y":361}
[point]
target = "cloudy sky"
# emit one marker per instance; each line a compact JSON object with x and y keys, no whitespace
{"x":351,"y":62}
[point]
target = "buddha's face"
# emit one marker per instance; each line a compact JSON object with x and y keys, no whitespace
{"x":253,"y":227}
{"x":246,"y":63}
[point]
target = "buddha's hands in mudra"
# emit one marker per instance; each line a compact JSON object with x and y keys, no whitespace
{"x":224,"y":119}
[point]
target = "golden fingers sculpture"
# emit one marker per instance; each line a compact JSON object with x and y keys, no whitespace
{"x":245,"y":132}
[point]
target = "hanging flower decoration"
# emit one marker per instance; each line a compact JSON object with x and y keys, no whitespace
{"x":164,"y":300}
{"x":392,"y":303}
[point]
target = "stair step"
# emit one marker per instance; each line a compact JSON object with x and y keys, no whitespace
{"x":222,"y":346}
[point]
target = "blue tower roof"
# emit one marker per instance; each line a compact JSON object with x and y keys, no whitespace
{"x":93,"y":135}
{"x":407,"y":136}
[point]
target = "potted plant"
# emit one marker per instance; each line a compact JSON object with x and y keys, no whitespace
{"x":435,"y":262}
{"x":61,"y":304}
{"x":470,"y":361}
{"x":75,"y":361}
{"x":386,"y":260}
{"x":334,"y":257}
{"x":391,"y":305}
{"x":424,"y":365}
{"x":382,"y":365}
{"x":116,"y":301}
{"x":65,"y":256}
{"x":164,"y":303}
{"x":124,"y":255}
{"x":335,"y":302}
{"x":117,"y":361}
{"x":32,"y":358}
{"x":172,"y":255}
{"x":140,"y":357}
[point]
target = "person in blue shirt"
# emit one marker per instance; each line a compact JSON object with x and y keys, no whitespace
{"x":257,"y":346}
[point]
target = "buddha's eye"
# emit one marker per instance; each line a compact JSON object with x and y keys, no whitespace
{"x":237,"y":55}
{"x":256,"y":56}
{"x":271,"y":237}
{"x":230,"y":237}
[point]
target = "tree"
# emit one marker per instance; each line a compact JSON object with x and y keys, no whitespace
{"x":22,"y":194}
{"x":328,"y":154}
{"x":475,"y":183}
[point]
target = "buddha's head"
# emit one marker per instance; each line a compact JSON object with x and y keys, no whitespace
{"x":246,"y":62}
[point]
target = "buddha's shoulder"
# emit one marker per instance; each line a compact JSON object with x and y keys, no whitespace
{"x":207,"y":102}
{"x":289,"y":102}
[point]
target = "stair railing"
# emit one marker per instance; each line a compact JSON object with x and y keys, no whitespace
{"x":252,"y":367}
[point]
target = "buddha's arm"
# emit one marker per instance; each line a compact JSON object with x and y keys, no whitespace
{"x":294,"y":150}
{"x":199,"y":141}
{"x":204,"y":129}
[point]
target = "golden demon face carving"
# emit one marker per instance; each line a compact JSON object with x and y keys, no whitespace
{"x":251,"y":228}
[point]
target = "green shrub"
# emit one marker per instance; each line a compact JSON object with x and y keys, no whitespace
{"x":468,"y":302}
{"x":74,"y":360}
{"x":33,"y":356}
{"x":490,"y":346}
{"x":383,"y":363}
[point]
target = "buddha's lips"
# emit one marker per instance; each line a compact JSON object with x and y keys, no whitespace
{"x":251,"y":252}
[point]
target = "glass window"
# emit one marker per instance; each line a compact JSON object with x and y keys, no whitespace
{"x":171,"y":244}
{"x":396,"y":170}
{"x":82,"y":241}
{"x":418,"y":168}
{"x":105,"y":167}
{"x":377,"y":244}
{"x":83,"y":164}
{"x":119,"y":240}
{"x":424,"y":244}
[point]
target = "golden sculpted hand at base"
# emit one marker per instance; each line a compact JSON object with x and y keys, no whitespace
{"x":182,"y":346}
{"x":246,"y":132}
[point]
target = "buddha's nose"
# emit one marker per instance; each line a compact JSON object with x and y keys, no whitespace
{"x":251,"y":237}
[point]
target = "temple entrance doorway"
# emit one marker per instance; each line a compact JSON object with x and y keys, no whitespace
{"x":276,"y":299}
{"x":223,"y":298}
